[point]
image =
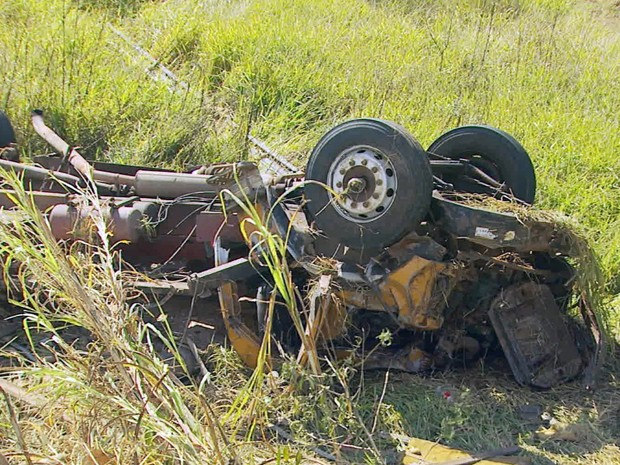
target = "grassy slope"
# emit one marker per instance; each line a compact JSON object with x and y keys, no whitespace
{"x":543,"y":70}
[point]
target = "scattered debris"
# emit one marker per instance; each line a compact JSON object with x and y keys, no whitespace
{"x":535,"y":339}
{"x":448,"y":393}
{"x":422,"y":452}
{"x":560,"y":431}
{"x":531,"y":413}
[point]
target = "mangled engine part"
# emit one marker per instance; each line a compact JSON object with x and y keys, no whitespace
{"x":536,"y":340}
{"x":409,"y":281}
{"x":408,"y":294}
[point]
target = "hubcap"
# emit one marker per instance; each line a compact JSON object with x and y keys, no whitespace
{"x":363,"y":184}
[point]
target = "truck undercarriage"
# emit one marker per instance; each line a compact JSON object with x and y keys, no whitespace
{"x":407,"y":258}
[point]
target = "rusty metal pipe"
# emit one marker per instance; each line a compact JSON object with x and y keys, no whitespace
{"x":39,"y":174}
{"x":77,"y":161}
{"x":116,"y":179}
{"x":145,"y":183}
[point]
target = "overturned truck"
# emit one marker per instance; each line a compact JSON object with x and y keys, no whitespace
{"x":412,"y":259}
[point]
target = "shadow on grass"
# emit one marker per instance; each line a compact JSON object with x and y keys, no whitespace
{"x":477,"y":410}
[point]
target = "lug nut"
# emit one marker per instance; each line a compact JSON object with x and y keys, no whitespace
{"x":364,"y":162}
{"x":339,"y":184}
{"x":352,"y":162}
{"x":353,"y":205}
{"x":379,"y":182}
{"x":365,"y":204}
{"x":374,"y":169}
{"x":342,"y":171}
{"x":375,"y":196}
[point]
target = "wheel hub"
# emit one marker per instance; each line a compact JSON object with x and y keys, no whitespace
{"x":356,"y":185}
{"x":362,"y":181}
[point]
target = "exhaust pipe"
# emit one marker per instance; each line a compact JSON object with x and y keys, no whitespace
{"x":77,"y":161}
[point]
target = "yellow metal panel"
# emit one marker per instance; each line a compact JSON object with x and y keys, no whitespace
{"x":409,"y":289}
{"x":422,"y":452}
{"x":242,"y":339}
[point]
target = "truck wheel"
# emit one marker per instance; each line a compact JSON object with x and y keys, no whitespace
{"x":7,"y":135}
{"x":494,"y":152}
{"x":368,"y":184}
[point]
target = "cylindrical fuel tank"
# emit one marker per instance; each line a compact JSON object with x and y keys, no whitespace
{"x":127,"y":223}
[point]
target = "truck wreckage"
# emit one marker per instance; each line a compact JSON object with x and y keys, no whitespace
{"x":436,"y":250}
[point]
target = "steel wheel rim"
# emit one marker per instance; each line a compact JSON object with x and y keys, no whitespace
{"x":362,"y":182}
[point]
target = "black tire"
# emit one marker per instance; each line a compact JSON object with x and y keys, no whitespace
{"x":7,"y":135}
{"x":404,"y":208}
{"x":493,"y":151}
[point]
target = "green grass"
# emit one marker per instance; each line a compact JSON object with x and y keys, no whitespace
{"x":544,"y":70}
